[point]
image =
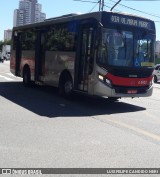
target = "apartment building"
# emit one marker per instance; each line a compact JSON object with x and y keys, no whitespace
{"x":29,"y":11}
{"x":7,"y":34}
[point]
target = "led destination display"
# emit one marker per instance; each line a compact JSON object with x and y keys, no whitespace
{"x":130,"y":21}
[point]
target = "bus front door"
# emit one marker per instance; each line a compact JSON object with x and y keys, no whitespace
{"x":84,"y":62}
{"x":39,"y":55}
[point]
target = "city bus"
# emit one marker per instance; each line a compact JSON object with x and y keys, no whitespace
{"x":105,"y":54}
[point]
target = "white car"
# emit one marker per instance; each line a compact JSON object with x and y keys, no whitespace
{"x":156,"y":73}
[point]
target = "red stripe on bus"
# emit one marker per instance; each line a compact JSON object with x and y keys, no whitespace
{"x":121,"y":81}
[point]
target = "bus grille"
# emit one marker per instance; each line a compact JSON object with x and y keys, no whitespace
{"x":127,"y":73}
{"x":124,"y":90}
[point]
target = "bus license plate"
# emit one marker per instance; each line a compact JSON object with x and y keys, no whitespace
{"x":131,"y":91}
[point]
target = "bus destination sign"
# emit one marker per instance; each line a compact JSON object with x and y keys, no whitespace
{"x":130,"y":21}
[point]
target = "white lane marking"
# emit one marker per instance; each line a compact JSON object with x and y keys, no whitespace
{"x":10,"y":74}
{"x":6,"y":78}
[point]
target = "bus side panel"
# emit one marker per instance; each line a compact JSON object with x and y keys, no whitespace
{"x":13,"y":62}
{"x":55,"y":64}
{"x":28,"y":58}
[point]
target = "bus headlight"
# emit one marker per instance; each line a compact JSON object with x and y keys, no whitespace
{"x":104,"y":80}
{"x":100,"y":77}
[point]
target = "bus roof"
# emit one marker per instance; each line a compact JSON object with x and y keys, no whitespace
{"x":77,"y":16}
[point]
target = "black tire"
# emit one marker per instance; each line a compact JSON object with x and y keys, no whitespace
{"x":155,"y":79}
{"x":66,"y":86}
{"x":26,"y":77}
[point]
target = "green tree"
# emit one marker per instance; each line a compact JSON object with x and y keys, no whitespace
{"x":1,"y":44}
{"x":6,"y":42}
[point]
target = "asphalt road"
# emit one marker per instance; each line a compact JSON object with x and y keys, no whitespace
{"x":40,"y":129}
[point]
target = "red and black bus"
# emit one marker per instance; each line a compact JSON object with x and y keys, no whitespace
{"x":101,"y":53}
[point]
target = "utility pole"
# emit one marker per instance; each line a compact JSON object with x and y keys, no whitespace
{"x":100,"y":1}
{"x":101,"y":5}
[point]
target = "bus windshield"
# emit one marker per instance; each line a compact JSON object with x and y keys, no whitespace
{"x":126,"y":49}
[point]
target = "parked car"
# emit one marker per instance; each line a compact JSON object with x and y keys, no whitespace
{"x":156,"y":73}
{"x":1,"y":59}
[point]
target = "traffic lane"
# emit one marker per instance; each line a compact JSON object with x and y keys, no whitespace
{"x":4,"y":66}
{"x":78,"y":133}
{"x":146,"y":122}
{"x":157,"y":85}
{"x":43,"y":102}
{"x":30,"y":141}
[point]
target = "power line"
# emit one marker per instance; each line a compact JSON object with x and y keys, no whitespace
{"x":102,"y":5}
{"x":86,"y":1}
{"x":100,"y":2}
{"x":141,"y":0}
{"x":94,"y":6}
{"x":154,"y":15}
{"x":116,"y":4}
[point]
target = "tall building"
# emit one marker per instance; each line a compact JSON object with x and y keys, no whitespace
{"x":29,"y":11}
{"x":7,"y":34}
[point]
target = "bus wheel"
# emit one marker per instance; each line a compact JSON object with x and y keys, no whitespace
{"x":155,"y":79}
{"x":66,"y":86}
{"x":26,"y":77}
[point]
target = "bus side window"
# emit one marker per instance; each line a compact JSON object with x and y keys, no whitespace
{"x":60,"y":38}
{"x":15,"y":38}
